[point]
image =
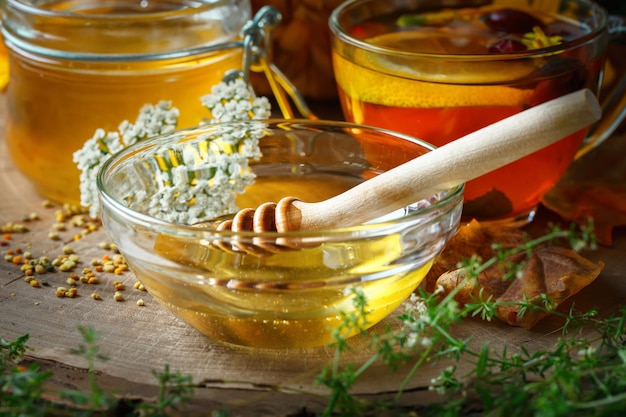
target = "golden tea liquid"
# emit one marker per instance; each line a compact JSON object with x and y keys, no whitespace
{"x":76,"y":66}
{"x":455,"y":74}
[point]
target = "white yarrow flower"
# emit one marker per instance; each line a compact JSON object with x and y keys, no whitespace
{"x":200,"y":186}
{"x":234,"y":101}
{"x":152,"y":120}
{"x":206,"y":183}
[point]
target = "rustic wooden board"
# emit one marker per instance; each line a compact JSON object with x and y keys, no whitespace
{"x":138,"y":340}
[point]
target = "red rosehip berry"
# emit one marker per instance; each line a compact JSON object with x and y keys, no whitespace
{"x":504,"y":46}
{"x":511,"y":21}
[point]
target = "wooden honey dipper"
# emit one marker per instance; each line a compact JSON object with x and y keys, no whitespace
{"x":452,"y":164}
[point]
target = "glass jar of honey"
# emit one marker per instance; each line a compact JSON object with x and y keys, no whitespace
{"x":79,"y":65}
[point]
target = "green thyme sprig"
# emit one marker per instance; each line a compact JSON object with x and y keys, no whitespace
{"x":96,"y":399}
{"x":175,"y":389}
{"x":585,"y":370}
{"x":583,"y":374}
{"x":338,"y":379}
{"x":22,"y":389}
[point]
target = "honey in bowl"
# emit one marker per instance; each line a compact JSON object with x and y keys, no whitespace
{"x":80,"y":65}
{"x":441,"y":73}
{"x":290,"y":299}
{"x":296,"y":296}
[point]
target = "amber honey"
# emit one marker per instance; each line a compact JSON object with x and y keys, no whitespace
{"x":297,"y":294}
{"x":76,"y":66}
{"x":447,"y":73}
{"x":265,"y":318}
{"x":291,"y":299}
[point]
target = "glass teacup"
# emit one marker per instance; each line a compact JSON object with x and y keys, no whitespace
{"x":440,"y":69}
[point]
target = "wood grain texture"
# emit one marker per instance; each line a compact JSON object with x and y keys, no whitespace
{"x":138,"y":340}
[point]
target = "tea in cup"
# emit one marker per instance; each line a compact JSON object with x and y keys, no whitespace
{"x":439,"y":70}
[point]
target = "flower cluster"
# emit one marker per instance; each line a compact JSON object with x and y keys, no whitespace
{"x":537,"y":39}
{"x":152,"y":120}
{"x":200,"y":183}
{"x":234,"y":101}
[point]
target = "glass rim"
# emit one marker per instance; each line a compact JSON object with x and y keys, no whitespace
{"x":340,"y":33}
{"x":192,"y":53}
{"x":29,"y":7}
{"x":451,"y":197}
{"x":31,"y":10}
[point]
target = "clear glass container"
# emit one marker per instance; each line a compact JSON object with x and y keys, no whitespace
{"x":79,"y":65}
{"x":436,"y":70}
{"x":225,"y":284}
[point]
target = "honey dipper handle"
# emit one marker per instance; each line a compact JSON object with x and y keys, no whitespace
{"x":454,"y":163}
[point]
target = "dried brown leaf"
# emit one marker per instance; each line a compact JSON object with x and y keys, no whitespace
{"x":556,"y":272}
{"x":550,"y":273}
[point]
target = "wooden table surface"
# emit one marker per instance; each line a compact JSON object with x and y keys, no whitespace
{"x":138,"y":340}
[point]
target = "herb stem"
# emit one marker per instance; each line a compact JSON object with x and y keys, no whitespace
{"x":422,"y":358}
{"x":367,"y":364}
{"x":603,"y":402}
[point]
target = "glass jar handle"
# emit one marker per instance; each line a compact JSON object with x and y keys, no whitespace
{"x":257,"y":57}
{"x":614,"y":104}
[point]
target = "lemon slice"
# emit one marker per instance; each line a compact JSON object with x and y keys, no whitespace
{"x":403,"y":81}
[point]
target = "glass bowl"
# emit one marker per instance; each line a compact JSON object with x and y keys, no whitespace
{"x":216,"y":280}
